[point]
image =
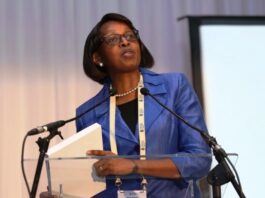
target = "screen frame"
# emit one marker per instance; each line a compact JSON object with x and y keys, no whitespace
{"x":194,"y":23}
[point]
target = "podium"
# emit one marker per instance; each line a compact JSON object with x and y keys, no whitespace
{"x":74,"y":177}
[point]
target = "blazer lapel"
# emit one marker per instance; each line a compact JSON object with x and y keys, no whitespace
{"x":154,"y":83}
{"x":102,"y":113}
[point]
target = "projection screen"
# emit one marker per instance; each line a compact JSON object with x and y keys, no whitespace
{"x":228,"y":61}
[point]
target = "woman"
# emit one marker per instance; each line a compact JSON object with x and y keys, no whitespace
{"x":115,"y":56}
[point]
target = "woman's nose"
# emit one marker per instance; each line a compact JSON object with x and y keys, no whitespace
{"x":124,"y":42}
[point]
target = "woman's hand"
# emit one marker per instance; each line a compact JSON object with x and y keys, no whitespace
{"x":112,"y":166}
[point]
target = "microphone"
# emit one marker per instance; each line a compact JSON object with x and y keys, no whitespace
{"x":210,"y":140}
{"x":222,"y":173}
{"x":57,"y":124}
{"x":47,"y":127}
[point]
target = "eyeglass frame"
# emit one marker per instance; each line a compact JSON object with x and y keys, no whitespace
{"x":135,"y":33}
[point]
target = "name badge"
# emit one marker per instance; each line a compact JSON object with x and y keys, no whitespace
{"x":132,"y":194}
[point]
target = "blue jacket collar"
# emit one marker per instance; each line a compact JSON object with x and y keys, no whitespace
{"x":154,"y":83}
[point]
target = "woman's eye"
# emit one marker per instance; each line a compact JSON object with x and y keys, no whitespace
{"x":113,"y":39}
{"x":130,"y":36}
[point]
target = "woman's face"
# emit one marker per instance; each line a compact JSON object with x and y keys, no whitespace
{"x":120,"y":50}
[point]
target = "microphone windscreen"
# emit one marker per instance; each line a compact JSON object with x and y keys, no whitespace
{"x":144,"y":91}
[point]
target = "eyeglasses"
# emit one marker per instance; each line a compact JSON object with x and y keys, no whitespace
{"x":115,"y":39}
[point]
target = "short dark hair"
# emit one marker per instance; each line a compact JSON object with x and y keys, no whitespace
{"x":93,"y":42}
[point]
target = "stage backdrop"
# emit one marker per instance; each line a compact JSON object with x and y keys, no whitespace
{"x":41,"y":48}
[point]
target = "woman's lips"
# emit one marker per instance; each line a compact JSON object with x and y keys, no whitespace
{"x":127,"y":53}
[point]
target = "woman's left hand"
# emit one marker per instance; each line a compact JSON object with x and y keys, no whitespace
{"x":111,"y":166}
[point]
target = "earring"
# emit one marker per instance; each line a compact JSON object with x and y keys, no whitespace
{"x":101,"y":64}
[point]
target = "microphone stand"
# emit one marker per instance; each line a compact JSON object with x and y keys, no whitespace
{"x":222,"y":173}
{"x":43,"y":144}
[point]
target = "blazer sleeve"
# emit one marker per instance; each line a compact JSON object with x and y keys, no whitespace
{"x":190,"y":141}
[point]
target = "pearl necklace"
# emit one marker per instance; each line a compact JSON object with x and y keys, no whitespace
{"x":127,"y":93}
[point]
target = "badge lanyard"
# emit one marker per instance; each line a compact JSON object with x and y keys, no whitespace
{"x":141,"y":126}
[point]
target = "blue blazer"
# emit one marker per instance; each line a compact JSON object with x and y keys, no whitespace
{"x":164,"y":133}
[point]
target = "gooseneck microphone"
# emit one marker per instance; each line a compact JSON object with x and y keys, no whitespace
{"x":57,"y":124}
{"x":47,"y":127}
{"x":43,"y":143}
{"x":222,"y":173}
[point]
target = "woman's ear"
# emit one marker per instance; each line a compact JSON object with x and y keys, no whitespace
{"x":96,"y":58}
